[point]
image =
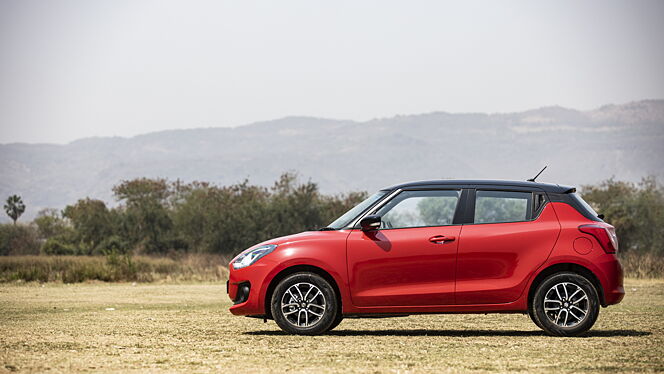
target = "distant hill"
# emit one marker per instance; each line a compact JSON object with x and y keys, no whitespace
{"x":580,"y":147}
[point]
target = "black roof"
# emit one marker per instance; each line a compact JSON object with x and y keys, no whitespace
{"x":554,"y":188}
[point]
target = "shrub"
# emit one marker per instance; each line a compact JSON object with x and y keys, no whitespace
{"x":50,"y":223}
{"x":642,"y":265}
{"x":57,"y":246}
{"x":112,"y":243}
{"x":18,"y":240}
{"x":115,"y":267}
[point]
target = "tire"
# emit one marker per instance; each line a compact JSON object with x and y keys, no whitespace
{"x":533,"y":317}
{"x":296,"y":311}
{"x":571,"y":301}
{"x":336,"y":322}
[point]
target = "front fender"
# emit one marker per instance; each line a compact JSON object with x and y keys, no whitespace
{"x":326,"y":252}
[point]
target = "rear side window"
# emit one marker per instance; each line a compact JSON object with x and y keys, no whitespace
{"x":420,"y":209}
{"x":502,"y":206}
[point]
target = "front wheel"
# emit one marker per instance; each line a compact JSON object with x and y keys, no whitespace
{"x":336,"y":322}
{"x":565,"y":304}
{"x":304,"y":304}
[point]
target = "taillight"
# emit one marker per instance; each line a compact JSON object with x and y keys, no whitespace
{"x":606,"y":236}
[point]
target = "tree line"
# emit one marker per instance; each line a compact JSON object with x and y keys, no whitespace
{"x":157,"y":217}
{"x":635,"y":209}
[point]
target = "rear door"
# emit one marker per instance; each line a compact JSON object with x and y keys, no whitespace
{"x":411,"y":259}
{"x":510,"y":234}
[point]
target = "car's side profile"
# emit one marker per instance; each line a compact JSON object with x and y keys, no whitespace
{"x":449,"y":246}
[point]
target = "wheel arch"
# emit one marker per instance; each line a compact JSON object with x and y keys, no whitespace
{"x":566,"y":267}
{"x":298,"y":269}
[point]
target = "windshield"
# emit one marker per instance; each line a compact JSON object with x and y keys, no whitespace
{"x":350,"y":215}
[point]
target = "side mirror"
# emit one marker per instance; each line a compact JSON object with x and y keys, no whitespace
{"x":369,"y":223}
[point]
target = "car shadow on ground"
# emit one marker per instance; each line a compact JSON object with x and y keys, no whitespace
{"x":459,"y":333}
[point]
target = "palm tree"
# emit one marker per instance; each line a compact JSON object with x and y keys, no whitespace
{"x":14,"y":207}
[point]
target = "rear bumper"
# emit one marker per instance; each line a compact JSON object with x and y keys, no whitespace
{"x":615,"y":296}
{"x":612,"y":283}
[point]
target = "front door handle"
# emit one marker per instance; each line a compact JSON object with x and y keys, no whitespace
{"x":440,"y":239}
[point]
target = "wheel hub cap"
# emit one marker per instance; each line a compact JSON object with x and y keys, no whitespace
{"x":303,"y":305}
{"x":566,"y":304}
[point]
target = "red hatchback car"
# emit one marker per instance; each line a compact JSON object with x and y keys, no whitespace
{"x":448,"y":246}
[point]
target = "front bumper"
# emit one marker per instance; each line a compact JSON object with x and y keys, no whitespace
{"x":247,"y":288}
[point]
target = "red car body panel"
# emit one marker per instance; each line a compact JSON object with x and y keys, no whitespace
{"x":604,"y":266}
{"x":402,"y":267}
{"x":486,"y":268}
{"x":496,"y":260}
{"x":322,"y":249}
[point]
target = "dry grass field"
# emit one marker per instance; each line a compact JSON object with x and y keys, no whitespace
{"x":187,"y":328}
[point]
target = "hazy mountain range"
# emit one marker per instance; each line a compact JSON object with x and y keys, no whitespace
{"x":580,"y":147}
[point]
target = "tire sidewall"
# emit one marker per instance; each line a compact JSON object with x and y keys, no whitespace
{"x":331,"y":310}
{"x":336,"y":322}
{"x":549,"y":326}
{"x":533,"y":316}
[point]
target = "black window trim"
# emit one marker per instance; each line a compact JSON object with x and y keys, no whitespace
{"x":538,"y":211}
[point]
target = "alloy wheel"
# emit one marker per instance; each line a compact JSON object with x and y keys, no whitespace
{"x":566,"y":304}
{"x":303,"y":305}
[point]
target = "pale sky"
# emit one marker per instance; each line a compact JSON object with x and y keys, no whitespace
{"x":73,"y":69}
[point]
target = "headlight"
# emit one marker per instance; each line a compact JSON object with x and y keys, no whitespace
{"x":252,"y":255}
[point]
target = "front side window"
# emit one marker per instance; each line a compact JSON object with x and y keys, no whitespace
{"x":502,"y":206}
{"x":420,"y":209}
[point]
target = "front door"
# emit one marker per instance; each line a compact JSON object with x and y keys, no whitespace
{"x":411,"y":259}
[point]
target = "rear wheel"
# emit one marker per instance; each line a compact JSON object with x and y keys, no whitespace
{"x":304,"y":304}
{"x":533,"y":317}
{"x":565,"y":304}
